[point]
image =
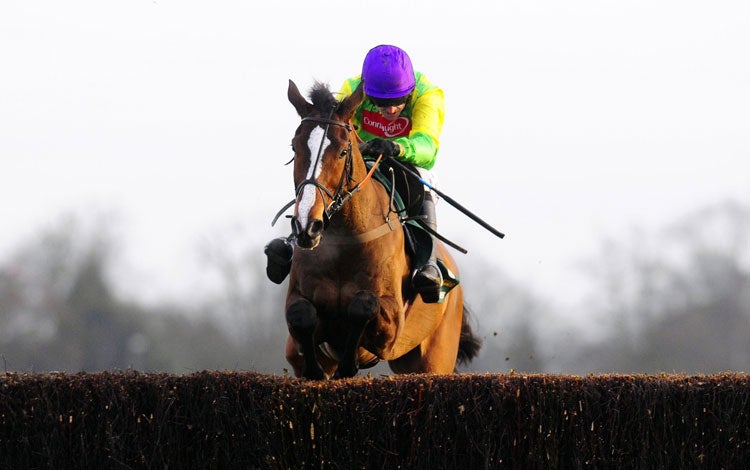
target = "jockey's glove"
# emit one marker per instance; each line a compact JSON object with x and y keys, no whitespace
{"x":378,"y":146}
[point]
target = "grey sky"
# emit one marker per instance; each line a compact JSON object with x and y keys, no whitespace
{"x":566,"y":121}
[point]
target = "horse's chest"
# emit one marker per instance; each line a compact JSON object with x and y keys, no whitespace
{"x":331,"y":278}
{"x":334,"y":293}
{"x":347,"y":267}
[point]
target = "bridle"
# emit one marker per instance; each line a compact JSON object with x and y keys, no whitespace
{"x":341,"y":194}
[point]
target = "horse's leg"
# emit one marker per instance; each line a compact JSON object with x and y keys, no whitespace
{"x":302,"y":319}
{"x":293,"y":356}
{"x":438,"y":352}
{"x":362,"y":310}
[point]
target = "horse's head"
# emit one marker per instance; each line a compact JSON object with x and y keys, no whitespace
{"x":323,"y":158}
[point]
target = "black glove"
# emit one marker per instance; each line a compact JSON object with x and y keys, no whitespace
{"x":378,"y":146}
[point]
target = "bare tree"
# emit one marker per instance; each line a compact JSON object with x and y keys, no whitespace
{"x":677,"y":300}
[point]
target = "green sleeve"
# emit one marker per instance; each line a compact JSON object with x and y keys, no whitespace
{"x":419,"y":149}
{"x":428,"y":115}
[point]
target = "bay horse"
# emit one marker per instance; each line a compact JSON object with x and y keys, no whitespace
{"x":349,"y":303}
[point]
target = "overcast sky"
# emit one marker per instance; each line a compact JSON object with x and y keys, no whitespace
{"x":566,"y":121}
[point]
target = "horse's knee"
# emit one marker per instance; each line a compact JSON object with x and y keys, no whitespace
{"x":362,"y":310}
{"x":302,"y":320}
{"x":364,"y":307}
{"x":301,"y":316}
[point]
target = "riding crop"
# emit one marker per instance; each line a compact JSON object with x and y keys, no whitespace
{"x":449,"y":199}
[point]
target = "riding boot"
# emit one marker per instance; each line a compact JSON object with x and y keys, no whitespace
{"x":428,"y":280}
{"x":279,"y":253}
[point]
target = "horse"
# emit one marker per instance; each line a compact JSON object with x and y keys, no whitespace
{"x":349,"y":302}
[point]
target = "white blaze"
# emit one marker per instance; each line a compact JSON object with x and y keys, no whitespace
{"x":317,"y":143}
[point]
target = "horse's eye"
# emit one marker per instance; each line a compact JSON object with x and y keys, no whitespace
{"x":344,"y":153}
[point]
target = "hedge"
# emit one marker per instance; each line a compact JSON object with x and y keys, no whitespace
{"x":218,"y":419}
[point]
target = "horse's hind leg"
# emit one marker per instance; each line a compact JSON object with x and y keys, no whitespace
{"x":440,"y":350}
{"x":363,"y":309}
{"x":302,"y":319}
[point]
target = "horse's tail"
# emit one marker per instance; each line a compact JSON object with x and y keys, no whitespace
{"x":468,"y":343}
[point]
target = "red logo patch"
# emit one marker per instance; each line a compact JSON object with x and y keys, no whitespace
{"x":376,"y":124}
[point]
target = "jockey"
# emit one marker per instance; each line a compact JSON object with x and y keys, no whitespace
{"x":402,"y":117}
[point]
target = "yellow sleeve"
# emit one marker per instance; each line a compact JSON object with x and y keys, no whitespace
{"x":428,"y":117}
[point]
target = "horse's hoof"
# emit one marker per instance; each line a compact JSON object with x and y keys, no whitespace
{"x":315,"y":374}
{"x":279,"y":253}
{"x":345,"y":372}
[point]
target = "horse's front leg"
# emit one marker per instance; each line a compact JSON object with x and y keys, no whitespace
{"x":302,"y":320}
{"x":362,"y":310}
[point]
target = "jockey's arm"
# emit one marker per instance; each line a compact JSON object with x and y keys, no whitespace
{"x":421,"y":146}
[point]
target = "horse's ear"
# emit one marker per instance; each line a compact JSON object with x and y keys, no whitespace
{"x":351,"y":102}
{"x":298,"y":101}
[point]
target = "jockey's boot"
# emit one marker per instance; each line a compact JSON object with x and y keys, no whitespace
{"x":428,"y":279}
{"x":279,"y":253}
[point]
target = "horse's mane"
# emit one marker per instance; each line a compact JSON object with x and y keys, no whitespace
{"x":322,"y":99}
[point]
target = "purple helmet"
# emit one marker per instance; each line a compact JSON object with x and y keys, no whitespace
{"x":387,"y":72}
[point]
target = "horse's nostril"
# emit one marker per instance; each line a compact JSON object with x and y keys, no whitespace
{"x":315,"y":228}
{"x":296,"y":226}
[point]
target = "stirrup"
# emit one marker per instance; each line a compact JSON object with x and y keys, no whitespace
{"x":279,"y":253}
{"x":426,"y":285}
